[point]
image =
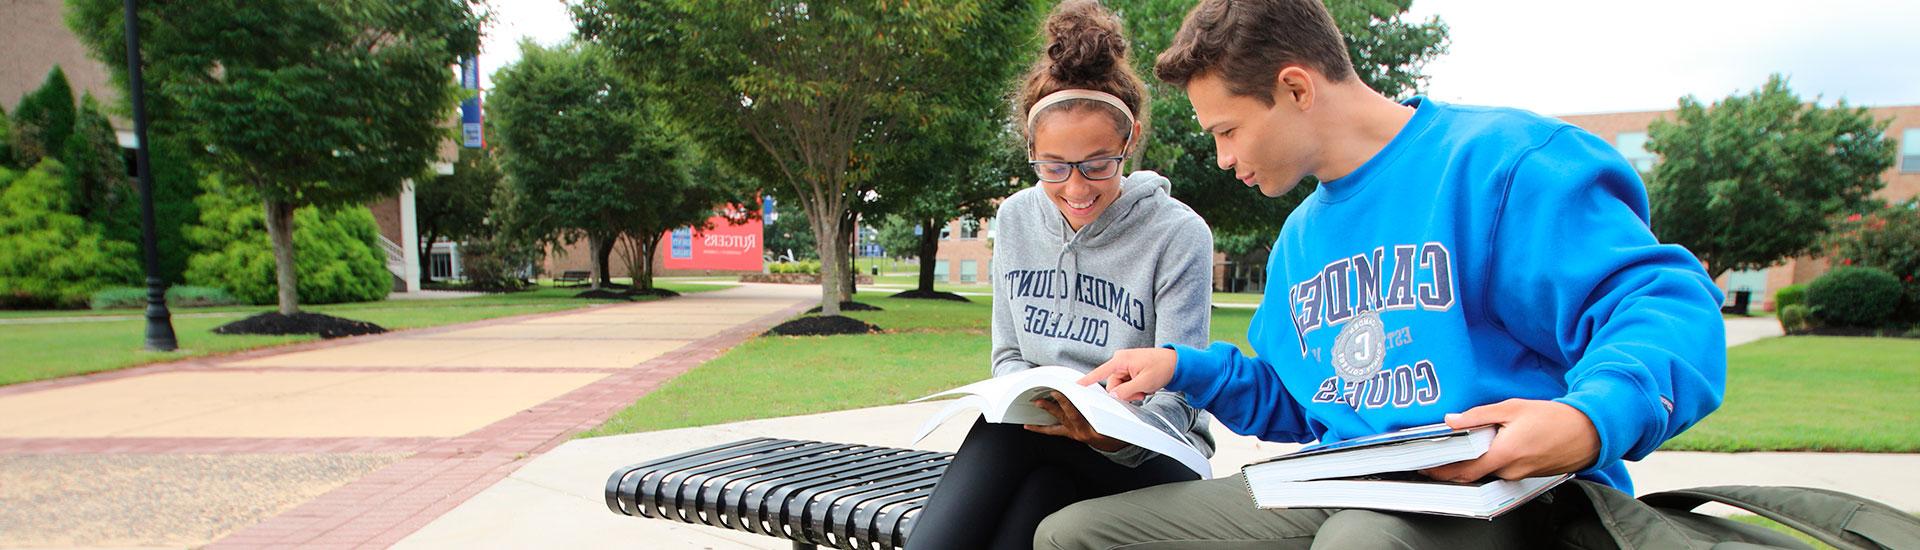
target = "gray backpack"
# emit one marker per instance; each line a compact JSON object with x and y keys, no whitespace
{"x":1592,"y":516}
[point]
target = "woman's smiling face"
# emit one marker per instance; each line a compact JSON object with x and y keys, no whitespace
{"x":1076,"y":135}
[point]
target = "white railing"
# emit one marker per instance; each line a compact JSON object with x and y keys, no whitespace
{"x":396,"y":257}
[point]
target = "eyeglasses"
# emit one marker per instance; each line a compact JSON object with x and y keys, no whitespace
{"x":1095,"y":169}
{"x":1054,"y":171}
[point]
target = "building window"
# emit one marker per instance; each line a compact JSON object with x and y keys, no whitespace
{"x":1910,"y":151}
{"x":969,"y":228}
{"x":969,"y":271}
{"x":442,"y":265}
{"x":940,"y":269}
{"x":1633,"y":145}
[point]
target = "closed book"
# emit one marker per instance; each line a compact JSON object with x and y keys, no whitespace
{"x":1406,"y":492}
{"x":1410,"y":449}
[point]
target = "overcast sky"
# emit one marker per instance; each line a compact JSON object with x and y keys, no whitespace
{"x":1559,"y":57}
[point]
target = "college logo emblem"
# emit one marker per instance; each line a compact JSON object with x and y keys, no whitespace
{"x":1360,"y":348}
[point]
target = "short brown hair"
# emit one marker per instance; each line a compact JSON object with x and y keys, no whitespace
{"x":1247,"y":42}
{"x":1086,"y":49}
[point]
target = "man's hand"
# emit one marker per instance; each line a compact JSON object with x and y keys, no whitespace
{"x":1134,"y":374}
{"x":1536,"y":438}
{"x":1072,"y":425}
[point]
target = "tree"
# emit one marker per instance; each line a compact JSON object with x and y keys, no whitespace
{"x":43,"y":119}
{"x":454,"y":207}
{"x":1388,"y":53}
{"x":48,"y":256}
{"x":959,"y":154}
{"x":788,"y":231}
{"x":97,"y":175}
{"x":306,"y":102}
{"x":896,"y":236}
{"x":176,"y":182}
{"x":798,"y":91}
{"x":592,"y":156}
{"x":1756,"y":177}
{"x":6,"y":140}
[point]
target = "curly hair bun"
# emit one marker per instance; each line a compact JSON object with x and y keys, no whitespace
{"x":1084,"y":43}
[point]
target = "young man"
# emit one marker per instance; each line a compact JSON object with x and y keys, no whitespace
{"x":1460,"y":264}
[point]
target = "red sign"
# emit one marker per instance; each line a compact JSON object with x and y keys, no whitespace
{"x":726,"y":247}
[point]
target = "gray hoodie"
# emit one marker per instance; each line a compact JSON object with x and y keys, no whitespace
{"x":1139,"y":276}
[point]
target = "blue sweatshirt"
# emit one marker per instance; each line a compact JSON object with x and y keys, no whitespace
{"x":1484,"y":254}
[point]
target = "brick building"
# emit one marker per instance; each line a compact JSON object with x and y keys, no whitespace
{"x":1628,"y":133}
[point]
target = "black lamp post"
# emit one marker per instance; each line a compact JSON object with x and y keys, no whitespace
{"x":159,"y":321}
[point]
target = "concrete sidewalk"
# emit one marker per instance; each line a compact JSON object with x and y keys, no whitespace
{"x":556,"y":500}
{"x":354,"y":442}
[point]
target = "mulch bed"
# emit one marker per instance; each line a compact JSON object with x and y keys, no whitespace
{"x":822,"y":325}
{"x":850,"y":306}
{"x":918,"y":294}
{"x":273,"y":323}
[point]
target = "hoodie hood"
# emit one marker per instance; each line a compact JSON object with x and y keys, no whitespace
{"x":1140,"y":193}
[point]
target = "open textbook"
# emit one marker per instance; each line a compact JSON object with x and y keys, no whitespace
{"x":1009,"y":399}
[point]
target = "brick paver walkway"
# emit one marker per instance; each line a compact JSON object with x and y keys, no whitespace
{"x":347,"y":443}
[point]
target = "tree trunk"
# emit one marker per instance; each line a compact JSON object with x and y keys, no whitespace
{"x":602,"y":255}
{"x":596,"y":264}
{"x":831,"y":263}
{"x":280,"y":231}
{"x":643,"y":277}
{"x":929,"y":249}
{"x":426,"y":256}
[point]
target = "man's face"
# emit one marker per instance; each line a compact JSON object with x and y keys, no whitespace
{"x":1265,"y":147}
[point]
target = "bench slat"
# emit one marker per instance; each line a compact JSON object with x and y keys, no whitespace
{"x":810,"y":492}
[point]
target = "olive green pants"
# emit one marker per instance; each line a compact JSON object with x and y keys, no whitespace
{"x":1218,"y":514}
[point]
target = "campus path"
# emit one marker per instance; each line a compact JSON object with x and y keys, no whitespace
{"x":356,"y":442}
{"x":556,"y":499}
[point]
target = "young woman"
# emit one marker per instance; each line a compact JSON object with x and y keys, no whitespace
{"x":1090,"y":261}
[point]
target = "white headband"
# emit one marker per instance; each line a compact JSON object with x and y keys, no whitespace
{"x":1072,"y":94}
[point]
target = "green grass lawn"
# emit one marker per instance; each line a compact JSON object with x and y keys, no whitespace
{"x":1812,"y":393}
{"x":1237,"y":297}
{"x":31,"y":352}
{"x":930,"y":345}
{"x":1787,"y":394}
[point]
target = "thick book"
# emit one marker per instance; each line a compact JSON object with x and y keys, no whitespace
{"x":1008,"y":399}
{"x":1406,"y":492}
{"x":1415,"y":448}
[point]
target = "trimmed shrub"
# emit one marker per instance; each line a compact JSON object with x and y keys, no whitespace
{"x":1789,"y":295}
{"x":43,"y":119}
{"x":127,"y":297}
{"x":1887,"y":239}
{"x":48,"y":257}
{"x":1861,"y":297}
{"x":1795,"y":318}
{"x":336,"y":252}
{"x":805,"y":267}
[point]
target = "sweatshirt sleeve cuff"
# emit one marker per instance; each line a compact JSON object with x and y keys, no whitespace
{"x":1622,"y":413}
{"x":1194,"y":373}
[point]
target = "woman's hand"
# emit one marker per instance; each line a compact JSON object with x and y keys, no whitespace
{"x":1072,"y":425}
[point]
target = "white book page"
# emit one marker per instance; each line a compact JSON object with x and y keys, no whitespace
{"x":1009,"y":400}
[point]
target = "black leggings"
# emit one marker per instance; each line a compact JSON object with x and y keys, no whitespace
{"x":1006,"y":479}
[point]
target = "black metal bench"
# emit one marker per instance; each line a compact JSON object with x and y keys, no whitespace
{"x":810,"y":492}
{"x":572,"y":277}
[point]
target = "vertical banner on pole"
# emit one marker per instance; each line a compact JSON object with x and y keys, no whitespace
{"x":470,"y":135}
